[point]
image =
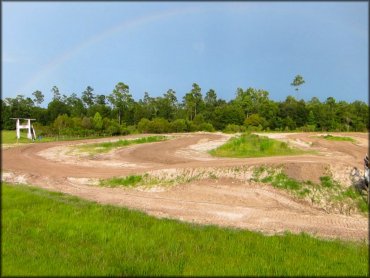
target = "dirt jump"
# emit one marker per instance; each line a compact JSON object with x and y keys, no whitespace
{"x":220,"y":195}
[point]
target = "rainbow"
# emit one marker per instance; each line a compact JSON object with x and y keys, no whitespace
{"x":123,"y":26}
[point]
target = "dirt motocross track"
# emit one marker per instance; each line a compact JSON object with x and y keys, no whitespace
{"x":220,"y":197}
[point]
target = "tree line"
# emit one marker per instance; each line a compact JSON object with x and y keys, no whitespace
{"x":118,"y":113}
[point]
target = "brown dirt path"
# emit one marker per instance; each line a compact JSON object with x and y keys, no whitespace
{"x":225,"y":201}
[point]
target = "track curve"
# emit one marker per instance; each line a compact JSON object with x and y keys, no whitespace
{"x":224,"y":201}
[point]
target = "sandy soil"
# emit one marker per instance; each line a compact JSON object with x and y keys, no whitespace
{"x":226,"y":200}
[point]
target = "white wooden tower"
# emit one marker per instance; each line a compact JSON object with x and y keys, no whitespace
{"x":31,"y":134}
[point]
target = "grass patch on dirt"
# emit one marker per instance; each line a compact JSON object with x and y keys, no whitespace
{"x":108,"y":146}
{"x":329,"y":193}
{"x":128,"y":181}
{"x":338,"y":138}
{"x":149,"y":181}
{"x":47,"y":234}
{"x":251,"y":145}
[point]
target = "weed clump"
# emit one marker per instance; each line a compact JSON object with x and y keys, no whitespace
{"x":327,"y":181}
{"x":328,"y":193}
{"x":128,"y":181}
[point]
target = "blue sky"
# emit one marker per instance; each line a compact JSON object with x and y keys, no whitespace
{"x":156,"y":46}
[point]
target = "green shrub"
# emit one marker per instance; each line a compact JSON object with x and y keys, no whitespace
{"x":206,"y":127}
{"x":143,"y":125}
{"x":178,"y":125}
{"x":232,"y":128}
{"x":255,"y":121}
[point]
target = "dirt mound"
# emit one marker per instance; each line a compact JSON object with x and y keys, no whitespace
{"x":306,"y":171}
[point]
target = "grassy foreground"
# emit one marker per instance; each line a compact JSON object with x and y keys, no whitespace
{"x":48,"y":233}
{"x":251,"y":145}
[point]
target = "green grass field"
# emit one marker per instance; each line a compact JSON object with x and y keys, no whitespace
{"x":9,"y":137}
{"x":251,"y":145}
{"x":46,"y":233}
